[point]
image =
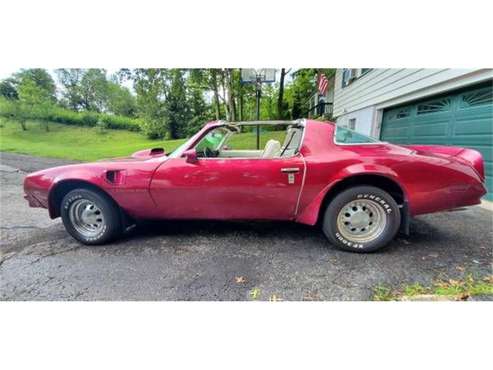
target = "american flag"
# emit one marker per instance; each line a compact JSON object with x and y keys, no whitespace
{"x":323,"y":83}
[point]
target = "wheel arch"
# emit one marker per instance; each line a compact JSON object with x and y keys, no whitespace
{"x":63,"y":187}
{"x":313,"y":213}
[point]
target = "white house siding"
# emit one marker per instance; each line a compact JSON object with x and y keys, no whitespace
{"x":363,"y":117}
{"x":365,"y":98}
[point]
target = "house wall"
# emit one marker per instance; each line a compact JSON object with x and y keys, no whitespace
{"x":387,"y":87}
{"x":364,"y":120}
{"x":366,"y":97}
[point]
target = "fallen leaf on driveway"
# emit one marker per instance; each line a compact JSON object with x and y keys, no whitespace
{"x":240,"y":279}
{"x":311,"y":297}
{"x":255,"y":293}
{"x":460,"y":268}
{"x":433,"y":255}
{"x":275,"y":298}
{"x":475,"y":261}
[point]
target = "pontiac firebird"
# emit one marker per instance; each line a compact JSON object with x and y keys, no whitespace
{"x":359,"y":190}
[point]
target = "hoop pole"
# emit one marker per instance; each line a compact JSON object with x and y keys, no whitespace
{"x":258,"y":112}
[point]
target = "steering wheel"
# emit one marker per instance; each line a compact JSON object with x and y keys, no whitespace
{"x":209,"y":153}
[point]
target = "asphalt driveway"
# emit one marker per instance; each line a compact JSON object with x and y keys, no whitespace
{"x":221,"y":260}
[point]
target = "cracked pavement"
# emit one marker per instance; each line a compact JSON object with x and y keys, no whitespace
{"x":197,"y":260}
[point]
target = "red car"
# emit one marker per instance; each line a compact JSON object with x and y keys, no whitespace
{"x":360,"y":190}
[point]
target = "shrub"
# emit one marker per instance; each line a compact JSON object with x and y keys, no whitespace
{"x":57,"y":114}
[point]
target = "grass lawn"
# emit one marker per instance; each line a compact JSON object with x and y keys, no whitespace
{"x":452,"y":289}
{"x":88,"y":143}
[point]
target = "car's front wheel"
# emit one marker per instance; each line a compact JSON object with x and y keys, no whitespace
{"x":361,"y":219}
{"x":90,"y":217}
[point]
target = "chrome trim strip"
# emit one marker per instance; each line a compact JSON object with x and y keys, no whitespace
{"x":290,"y":170}
{"x":301,"y":188}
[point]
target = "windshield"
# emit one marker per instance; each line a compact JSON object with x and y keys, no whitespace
{"x":345,"y":135}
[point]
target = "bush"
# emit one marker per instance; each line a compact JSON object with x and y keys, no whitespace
{"x":120,"y":122}
{"x":68,"y":117}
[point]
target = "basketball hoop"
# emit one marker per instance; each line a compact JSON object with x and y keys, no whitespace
{"x":262,"y":75}
{"x":258,"y":77}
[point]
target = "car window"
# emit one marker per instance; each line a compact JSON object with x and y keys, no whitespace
{"x":247,"y":140}
{"x":212,"y":140}
{"x":344,"y":135}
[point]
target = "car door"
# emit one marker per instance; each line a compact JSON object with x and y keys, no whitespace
{"x":228,"y":188}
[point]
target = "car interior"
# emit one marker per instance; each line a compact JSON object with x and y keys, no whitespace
{"x":220,"y":143}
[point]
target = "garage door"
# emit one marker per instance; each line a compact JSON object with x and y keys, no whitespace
{"x":463,"y":118}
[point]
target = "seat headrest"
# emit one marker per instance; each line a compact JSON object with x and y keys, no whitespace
{"x":272,"y":149}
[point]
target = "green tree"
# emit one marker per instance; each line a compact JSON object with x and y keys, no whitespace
{"x":177,"y":112}
{"x":120,"y":101}
{"x":151,"y":89}
{"x":35,"y":103}
{"x":281,"y":104}
{"x":94,"y":89}
{"x":299,"y":92}
{"x":200,"y":112}
{"x":70,"y":79}
{"x":41,"y":78}
{"x":8,"y":89}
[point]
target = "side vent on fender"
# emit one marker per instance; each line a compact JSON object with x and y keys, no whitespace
{"x":115,"y":177}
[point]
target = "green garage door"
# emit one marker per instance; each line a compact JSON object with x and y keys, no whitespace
{"x":463,"y":118}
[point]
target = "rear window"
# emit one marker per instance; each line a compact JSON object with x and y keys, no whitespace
{"x":347,"y":136}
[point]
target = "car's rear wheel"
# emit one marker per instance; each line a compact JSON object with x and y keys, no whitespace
{"x":90,"y":217}
{"x":361,"y":219}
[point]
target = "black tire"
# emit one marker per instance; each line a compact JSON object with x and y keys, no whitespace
{"x":374,"y":197}
{"x":111,"y":227}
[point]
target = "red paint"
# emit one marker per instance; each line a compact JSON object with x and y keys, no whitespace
{"x":152,"y":185}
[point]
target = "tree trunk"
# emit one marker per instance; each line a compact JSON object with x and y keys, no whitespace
{"x":224,"y":98}
{"x":23,"y":124}
{"x":230,"y":95}
{"x":280,"y":103}
{"x":216,"y":94}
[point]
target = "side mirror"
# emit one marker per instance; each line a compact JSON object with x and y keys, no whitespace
{"x":191,"y":156}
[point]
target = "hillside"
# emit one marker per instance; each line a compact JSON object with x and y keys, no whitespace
{"x":89,"y":143}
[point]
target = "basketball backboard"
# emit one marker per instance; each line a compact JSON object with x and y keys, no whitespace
{"x":263,"y":75}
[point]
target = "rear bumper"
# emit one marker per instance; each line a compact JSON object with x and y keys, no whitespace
{"x":457,"y":196}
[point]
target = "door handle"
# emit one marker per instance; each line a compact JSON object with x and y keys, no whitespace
{"x":290,"y":170}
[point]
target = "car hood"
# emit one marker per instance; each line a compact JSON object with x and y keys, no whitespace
{"x":141,"y":155}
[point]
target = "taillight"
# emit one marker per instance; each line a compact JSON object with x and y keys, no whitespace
{"x":474,"y":159}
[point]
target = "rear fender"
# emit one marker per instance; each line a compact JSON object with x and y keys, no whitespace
{"x":310,"y":213}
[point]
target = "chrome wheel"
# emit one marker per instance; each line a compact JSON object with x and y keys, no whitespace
{"x":86,"y":217}
{"x":361,"y":220}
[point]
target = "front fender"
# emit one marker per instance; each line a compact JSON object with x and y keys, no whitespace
{"x":78,"y":177}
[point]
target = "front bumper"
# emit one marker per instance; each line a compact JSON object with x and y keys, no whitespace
{"x":33,"y":201}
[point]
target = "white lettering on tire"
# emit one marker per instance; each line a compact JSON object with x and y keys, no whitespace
{"x":377,"y":199}
{"x":348,"y":243}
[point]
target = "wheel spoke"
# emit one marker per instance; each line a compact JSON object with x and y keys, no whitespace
{"x":86,"y":217}
{"x":361,"y":220}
